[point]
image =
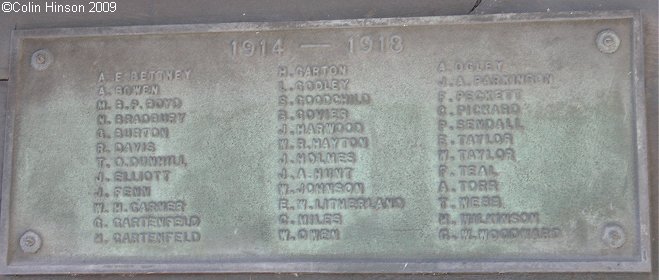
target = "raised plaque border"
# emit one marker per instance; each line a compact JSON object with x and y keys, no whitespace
{"x":642,"y":263}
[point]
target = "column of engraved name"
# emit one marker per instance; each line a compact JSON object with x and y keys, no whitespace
{"x":101,"y":181}
{"x":320,"y":143}
{"x":136,"y":118}
{"x":480,"y":110}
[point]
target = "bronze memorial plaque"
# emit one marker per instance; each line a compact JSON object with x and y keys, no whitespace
{"x":494,"y":143}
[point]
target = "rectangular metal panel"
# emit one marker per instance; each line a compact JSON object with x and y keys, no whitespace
{"x":473,"y":144}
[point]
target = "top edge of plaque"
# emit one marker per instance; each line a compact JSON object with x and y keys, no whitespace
{"x":320,"y":24}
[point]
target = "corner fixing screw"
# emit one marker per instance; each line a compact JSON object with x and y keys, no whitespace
{"x":41,"y":59}
{"x":30,"y":242}
{"x":613,"y":235}
{"x":607,"y":41}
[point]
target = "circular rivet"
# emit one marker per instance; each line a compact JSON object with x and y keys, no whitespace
{"x":41,"y":59}
{"x":30,"y":242}
{"x":613,"y":235}
{"x":607,"y":41}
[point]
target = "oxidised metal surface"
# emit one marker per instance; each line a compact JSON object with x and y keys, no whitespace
{"x":484,"y":144}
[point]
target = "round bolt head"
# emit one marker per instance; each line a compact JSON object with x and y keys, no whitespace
{"x":41,"y":59}
{"x":607,"y":41}
{"x":613,"y":235}
{"x":30,"y":242}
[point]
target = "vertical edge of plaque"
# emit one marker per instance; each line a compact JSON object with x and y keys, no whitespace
{"x":642,"y":264}
{"x":7,"y":167}
{"x":4,"y":90}
{"x":642,"y":181}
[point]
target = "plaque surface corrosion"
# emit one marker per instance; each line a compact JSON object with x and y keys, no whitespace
{"x":451,"y":144}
